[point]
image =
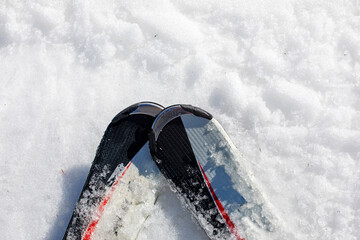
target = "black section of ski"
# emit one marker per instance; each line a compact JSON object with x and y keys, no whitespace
{"x":174,"y":156}
{"x":122,"y":139}
{"x":197,"y":111}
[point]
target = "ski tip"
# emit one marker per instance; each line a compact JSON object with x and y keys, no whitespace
{"x":197,"y":111}
{"x":146,"y":108}
{"x":172,"y":112}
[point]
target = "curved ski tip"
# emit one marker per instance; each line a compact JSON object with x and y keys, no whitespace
{"x":173,"y":112}
{"x":147,"y":108}
{"x":197,"y":111}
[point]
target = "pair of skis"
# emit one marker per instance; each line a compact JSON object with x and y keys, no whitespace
{"x":145,"y":143}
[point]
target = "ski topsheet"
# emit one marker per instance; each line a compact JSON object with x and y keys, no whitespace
{"x":123,"y":181}
{"x":194,"y":153}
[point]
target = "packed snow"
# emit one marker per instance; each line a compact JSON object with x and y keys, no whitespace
{"x":282,"y":77}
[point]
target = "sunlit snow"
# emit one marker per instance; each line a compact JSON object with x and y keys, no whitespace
{"x":282,"y":77}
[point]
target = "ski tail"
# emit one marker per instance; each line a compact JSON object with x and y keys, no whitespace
{"x":178,"y":143}
{"x":124,"y":137}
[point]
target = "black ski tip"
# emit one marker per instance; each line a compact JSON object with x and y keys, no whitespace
{"x":170,"y":113}
{"x":147,"y":108}
{"x":197,"y":111}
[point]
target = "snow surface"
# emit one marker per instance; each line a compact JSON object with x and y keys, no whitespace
{"x":282,"y":77}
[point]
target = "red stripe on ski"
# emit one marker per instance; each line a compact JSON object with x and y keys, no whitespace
{"x":91,"y":228}
{"x":220,"y":207}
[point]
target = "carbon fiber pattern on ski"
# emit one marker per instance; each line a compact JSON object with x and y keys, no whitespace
{"x":175,"y":159}
{"x":122,"y":140}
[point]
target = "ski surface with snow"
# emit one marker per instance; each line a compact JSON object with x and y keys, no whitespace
{"x":281,"y":77}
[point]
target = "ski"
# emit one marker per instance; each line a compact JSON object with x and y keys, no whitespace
{"x":201,"y":164}
{"x":123,"y":181}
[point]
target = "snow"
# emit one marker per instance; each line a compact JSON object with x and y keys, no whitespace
{"x":282,"y":77}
